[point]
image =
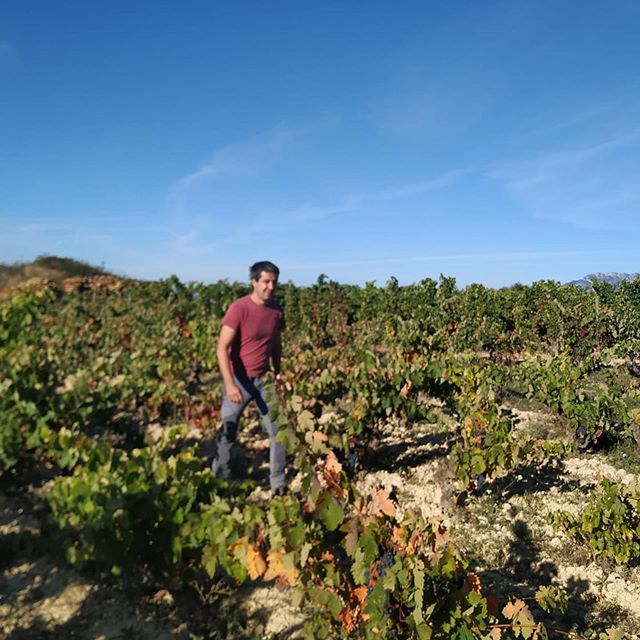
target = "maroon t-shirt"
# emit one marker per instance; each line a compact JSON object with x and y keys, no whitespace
{"x":256,"y":327}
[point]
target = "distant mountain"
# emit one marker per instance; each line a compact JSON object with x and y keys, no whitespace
{"x":611,"y":277}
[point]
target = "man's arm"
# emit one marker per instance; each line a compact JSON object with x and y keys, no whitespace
{"x":276,"y":354}
{"x":227,"y":334}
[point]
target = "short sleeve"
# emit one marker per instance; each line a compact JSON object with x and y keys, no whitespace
{"x":233,"y":316}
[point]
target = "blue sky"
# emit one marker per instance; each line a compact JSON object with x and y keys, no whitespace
{"x":496,"y":142}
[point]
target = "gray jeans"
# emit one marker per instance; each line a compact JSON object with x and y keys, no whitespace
{"x":251,"y":389}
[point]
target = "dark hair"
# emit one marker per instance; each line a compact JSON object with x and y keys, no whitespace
{"x":264,"y":265}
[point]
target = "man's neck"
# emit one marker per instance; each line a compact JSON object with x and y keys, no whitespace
{"x":257,"y":300}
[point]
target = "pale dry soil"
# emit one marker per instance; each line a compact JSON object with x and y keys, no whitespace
{"x":502,"y":531}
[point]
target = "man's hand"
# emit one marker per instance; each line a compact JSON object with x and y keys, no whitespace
{"x":234,"y":394}
{"x":278,"y":383}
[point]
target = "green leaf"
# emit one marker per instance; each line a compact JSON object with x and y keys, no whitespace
{"x":306,"y":421}
{"x":288,"y":439}
{"x":418,"y":581}
{"x":424,"y":631}
{"x":295,"y":534}
{"x":330,"y":512}
{"x":304,"y":553}
{"x":330,"y":600}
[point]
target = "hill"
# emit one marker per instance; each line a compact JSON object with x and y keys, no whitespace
{"x":51,"y":268}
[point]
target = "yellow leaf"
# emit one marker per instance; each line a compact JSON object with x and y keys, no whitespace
{"x":238,"y":544}
{"x":281,"y":568}
{"x":256,"y":565}
{"x":290,"y":574}
{"x":382,"y":504}
{"x":512,"y":609}
{"x":332,"y":465}
{"x":398,"y":535}
{"x":406,"y":390}
{"x":275,"y":566}
{"x":331,"y":473}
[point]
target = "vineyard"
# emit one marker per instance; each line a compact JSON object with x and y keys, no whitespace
{"x":462,"y":463}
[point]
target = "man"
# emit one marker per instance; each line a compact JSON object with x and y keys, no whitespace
{"x":248,"y":346}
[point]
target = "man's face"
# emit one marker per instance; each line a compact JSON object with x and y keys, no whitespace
{"x":265,"y":285}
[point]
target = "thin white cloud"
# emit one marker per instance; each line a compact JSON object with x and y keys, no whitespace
{"x":588,"y":187}
{"x":510,"y":256}
{"x":353,"y":201}
{"x":250,"y":156}
{"x":279,"y":221}
{"x":194,"y":239}
{"x":571,"y":158}
{"x":192,"y":236}
{"x":601,"y":211}
{"x":558,"y":122}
